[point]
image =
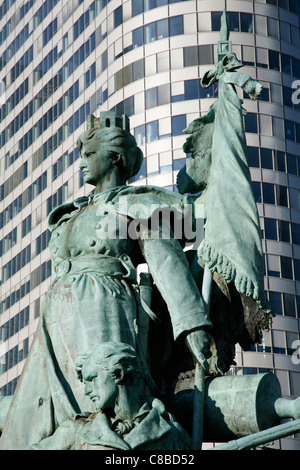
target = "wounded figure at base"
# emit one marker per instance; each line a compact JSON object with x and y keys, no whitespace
{"x":126,"y":417}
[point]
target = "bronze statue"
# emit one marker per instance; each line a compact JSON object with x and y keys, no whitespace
{"x":126,"y":417}
{"x":187,"y":313}
{"x":95,"y":296}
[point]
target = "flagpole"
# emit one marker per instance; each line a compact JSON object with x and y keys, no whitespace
{"x":199,"y":386}
{"x":224,"y":47}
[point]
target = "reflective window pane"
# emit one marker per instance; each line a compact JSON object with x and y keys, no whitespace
{"x":149,"y":4}
{"x":176,"y":26}
{"x":279,"y":159}
{"x":138,"y":37}
{"x":266,"y":158}
{"x":256,"y":191}
{"x":289,"y":130}
{"x":162,"y":29}
{"x":216,"y":20}
{"x":292,"y":164}
{"x":246,"y":22}
{"x":150,"y":32}
{"x":273,"y":27}
{"x":139,"y":134}
{"x":284,"y":31}
{"x":191,"y":89}
{"x":253,"y":157}
{"x":297,"y":269}
{"x":286,"y":66}
{"x":151,"y":98}
{"x":270,"y":229}
{"x":163,"y":94}
{"x":274,"y":60}
{"x":251,"y":123}
{"x":190,"y":55}
{"x":205,"y":55}
{"x":118,"y":16}
{"x":286,"y":267}
{"x":268,"y":193}
{"x":295,"y":234}
{"x":151,"y":131}
{"x":138,"y":70}
{"x":282,"y":197}
{"x":294,"y":196}
{"x":284,"y":231}
{"x":233,"y":21}
{"x":178,"y":124}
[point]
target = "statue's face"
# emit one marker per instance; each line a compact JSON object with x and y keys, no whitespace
{"x":95,"y":163}
{"x":100,"y":386}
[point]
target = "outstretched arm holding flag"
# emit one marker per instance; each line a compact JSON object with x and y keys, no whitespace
{"x":231,"y":250}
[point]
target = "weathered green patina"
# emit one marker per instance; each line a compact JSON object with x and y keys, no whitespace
{"x":169,"y":319}
{"x":126,"y":416}
{"x":95,"y":297}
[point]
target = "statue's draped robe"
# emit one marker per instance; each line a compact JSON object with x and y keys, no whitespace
{"x":92,"y":299}
{"x":154,"y":429}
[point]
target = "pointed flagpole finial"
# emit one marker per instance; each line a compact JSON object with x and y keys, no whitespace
{"x":224,"y":33}
{"x":224,"y":45}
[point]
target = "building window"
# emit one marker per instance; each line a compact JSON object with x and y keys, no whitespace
{"x":178,"y":124}
{"x":286,"y":267}
{"x":151,"y":98}
{"x":274,"y":60}
{"x":289,"y":305}
{"x":190,"y":56}
{"x":138,"y":37}
{"x":8,"y":242}
{"x":151,"y":131}
{"x":256,"y":188}
{"x":42,"y":241}
{"x":216,"y":20}
{"x":191,"y":89}
{"x":26,"y":225}
{"x":172,"y":26}
{"x":15,"y":324}
{"x":162,"y":29}
{"x":279,"y":158}
{"x":281,"y":196}
{"x":176,"y":25}
{"x":118,"y":16}
{"x":284,"y":231}
{"x":289,"y":130}
{"x":273,"y":27}
{"x":137,"y":7}
{"x":268,"y":193}
{"x":233,"y":21}
{"x":297,"y":269}
{"x":295,"y":234}
{"x":251,"y":123}
{"x":270,"y":229}
{"x":246,"y":22}
{"x":292,"y":164}
{"x":253,"y":157}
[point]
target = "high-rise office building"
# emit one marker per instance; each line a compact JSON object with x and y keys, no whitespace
{"x":63,"y":60}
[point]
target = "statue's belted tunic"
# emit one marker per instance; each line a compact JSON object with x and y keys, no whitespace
{"x":94,"y":298}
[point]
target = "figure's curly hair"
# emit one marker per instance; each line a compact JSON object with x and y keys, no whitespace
{"x":109,"y":355}
{"x":116,"y":141}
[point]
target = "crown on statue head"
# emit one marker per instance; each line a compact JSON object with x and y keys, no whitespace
{"x":108,"y":119}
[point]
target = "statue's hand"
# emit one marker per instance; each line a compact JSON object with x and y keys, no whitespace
{"x":198,"y":342}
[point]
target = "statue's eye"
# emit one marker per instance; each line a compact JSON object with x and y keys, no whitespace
{"x":89,"y":154}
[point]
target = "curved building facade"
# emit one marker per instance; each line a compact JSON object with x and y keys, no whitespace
{"x":61,"y":61}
